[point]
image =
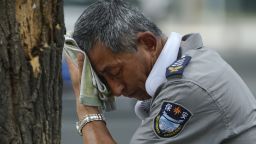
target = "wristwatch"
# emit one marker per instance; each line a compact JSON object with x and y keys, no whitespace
{"x":88,"y":118}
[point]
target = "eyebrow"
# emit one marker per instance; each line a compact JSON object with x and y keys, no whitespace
{"x":107,"y":68}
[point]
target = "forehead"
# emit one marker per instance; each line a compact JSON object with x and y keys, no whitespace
{"x":101,"y":57}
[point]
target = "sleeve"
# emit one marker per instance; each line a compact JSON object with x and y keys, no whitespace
{"x":183,"y":112}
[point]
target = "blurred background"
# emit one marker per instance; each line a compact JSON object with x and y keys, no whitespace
{"x":228,"y":26}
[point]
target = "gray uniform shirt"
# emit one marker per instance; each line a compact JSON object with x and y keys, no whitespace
{"x":212,"y":103}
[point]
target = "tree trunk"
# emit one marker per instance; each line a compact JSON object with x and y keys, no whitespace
{"x":31,"y":41}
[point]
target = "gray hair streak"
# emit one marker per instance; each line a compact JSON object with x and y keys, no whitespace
{"x":113,"y":23}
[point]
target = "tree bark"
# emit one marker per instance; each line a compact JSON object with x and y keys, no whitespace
{"x":31,"y":41}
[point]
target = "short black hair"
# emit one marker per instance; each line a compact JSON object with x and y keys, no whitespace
{"x":113,"y":23}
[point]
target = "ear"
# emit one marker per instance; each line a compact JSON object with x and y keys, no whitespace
{"x":148,"y":41}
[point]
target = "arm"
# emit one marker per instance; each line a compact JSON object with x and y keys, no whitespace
{"x":94,"y":132}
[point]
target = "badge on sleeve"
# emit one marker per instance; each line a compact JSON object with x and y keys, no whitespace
{"x":171,"y":119}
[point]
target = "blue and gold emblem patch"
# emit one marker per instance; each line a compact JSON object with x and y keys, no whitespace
{"x":176,"y":69}
{"x":171,"y":119}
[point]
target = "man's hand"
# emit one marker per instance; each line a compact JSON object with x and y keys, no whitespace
{"x":96,"y":131}
{"x":75,"y":74}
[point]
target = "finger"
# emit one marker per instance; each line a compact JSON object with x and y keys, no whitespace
{"x":73,"y":70}
{"x":74,"y":75}
{"x":71,"y":65}
{"x":80,"y":62}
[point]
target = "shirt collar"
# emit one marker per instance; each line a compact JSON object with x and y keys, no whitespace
{"x":167,"y":56}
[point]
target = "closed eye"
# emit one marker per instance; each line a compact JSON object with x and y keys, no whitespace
{"x":115,"y":71}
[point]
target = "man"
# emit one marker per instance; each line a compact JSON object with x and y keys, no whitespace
{"x":188,"y":93}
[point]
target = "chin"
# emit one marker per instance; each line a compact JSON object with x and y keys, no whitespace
{"x":144,"y":97}
{"x":139,"y":96}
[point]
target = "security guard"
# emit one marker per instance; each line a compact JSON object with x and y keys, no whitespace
{"x":203,"y":101}
{"x":187,"y":93}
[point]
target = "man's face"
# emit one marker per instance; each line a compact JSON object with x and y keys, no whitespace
{"x":126,"y":72}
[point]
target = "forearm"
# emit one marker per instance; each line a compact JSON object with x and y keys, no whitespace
{"x":96,"y":132}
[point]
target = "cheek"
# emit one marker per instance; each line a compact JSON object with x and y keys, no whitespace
{"x":134,"y":77}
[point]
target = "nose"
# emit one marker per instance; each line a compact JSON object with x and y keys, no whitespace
{"x":116,"y":86}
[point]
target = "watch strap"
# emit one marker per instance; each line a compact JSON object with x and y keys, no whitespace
{"x":88,"y":118}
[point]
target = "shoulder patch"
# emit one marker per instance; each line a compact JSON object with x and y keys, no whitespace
{"x":171,"y":120}
{"x":176,"y":69}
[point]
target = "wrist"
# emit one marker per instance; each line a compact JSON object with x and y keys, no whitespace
{"x":83,"y":110}
{"x":87,"y":119}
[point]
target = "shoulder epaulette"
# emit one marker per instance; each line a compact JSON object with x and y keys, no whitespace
{"x":175,"y":70}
